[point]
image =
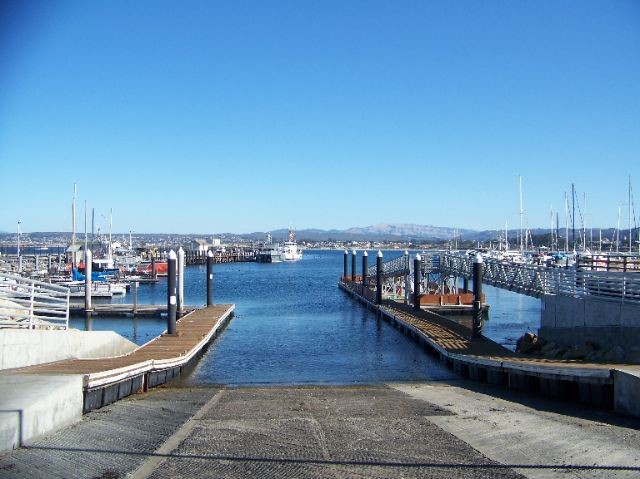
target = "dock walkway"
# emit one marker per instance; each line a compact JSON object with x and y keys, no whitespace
{"x":605,"y":384}
{"x":108,"y":379}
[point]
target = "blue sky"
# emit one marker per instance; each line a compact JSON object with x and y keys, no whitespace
{"x":213,"y":117}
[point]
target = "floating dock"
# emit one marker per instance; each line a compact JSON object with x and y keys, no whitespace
{"x":106,"y":380}
{"x":604,"y":384}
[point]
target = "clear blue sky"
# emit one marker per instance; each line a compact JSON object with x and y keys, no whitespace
{"x":243,"y":116}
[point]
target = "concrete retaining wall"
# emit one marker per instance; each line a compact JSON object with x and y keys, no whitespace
{"x":570,"y":321}
{"x":22,"y":347}
{"x":627,"y":391}
{"x":34,"y":405}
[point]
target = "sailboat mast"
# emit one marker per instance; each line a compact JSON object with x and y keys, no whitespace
{"x":551,"y":227}
{"x":573,"y":216}
{"x":86,"y":241}
{"x":521,"y":217}
{"x":629,"y":214}
{"x":506,"y":235}
{"x":557,"y":231}
{"x":110,"y":225}
{"x":618,"y":231}
{"x":73,"y":216}
{"x":584,"y":223}
{"x":566,"y":222}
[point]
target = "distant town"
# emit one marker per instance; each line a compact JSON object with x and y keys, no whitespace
{"x":391,"y":237}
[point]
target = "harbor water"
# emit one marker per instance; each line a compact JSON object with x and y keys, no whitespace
{"x":293,"y":325}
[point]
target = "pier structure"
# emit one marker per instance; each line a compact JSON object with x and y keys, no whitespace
{"x":235,"y":256}
{"x":403,"y":279}
{"x":477,"y":357}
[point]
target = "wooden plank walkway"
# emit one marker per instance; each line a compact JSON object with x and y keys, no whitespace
{"x":455,"y":339}
{"x":194,"y":331}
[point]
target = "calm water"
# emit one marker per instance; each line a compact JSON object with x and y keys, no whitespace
{"x":293,"y":325}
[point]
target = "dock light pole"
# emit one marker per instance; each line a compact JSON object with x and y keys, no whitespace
{"x":88,"y":322}
{"x":416,"y":281}
{"x":171,"y":292}
{"x":365,"y":258}
{"x":209,"y":278}
{"x":153,"y":266}
{"x":344,"y":273}
{"x":379,"y":278}
{"x":353,"y":265}
{"x":180,"y":275}
{"x":477,"y":297}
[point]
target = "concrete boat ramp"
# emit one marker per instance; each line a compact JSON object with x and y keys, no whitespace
{"x":90,"y":370}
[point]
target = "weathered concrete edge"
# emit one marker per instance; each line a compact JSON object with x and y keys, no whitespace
{"x":627,"y":391}
{"x":613,"y":388}
{"x":32,"y":406}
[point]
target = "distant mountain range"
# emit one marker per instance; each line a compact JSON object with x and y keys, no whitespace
{"x":408,"y":232}
{"x":379,"y":232}
{"x":387,"y":232}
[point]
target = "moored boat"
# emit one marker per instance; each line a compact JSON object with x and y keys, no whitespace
{"x":290,"y":250}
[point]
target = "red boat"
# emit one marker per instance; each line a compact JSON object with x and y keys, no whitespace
{"x":162,"y":268}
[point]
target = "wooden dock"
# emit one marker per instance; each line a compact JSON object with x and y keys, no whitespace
{"x":487,"y":361}
{"x":109,"y":379}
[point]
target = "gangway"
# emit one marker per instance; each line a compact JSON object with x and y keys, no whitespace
{"x":32,"y":304}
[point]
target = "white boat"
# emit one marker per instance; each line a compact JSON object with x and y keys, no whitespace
{"x":290,"y":251}
{"x":100,"y":289}
{"x":276,"y":253}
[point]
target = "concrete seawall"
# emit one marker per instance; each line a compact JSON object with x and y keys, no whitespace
{"x":23,"y":347}
{"x":34,"y":405}
{"x":573,"y":320}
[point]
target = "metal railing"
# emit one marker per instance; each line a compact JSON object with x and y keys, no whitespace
{"x":27,"y":303}
{"x":529,"y":279}
{"x":538,"y":281}
{"x":403,"y":265}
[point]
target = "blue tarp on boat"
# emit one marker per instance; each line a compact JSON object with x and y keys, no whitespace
{"x":95,"y":276}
